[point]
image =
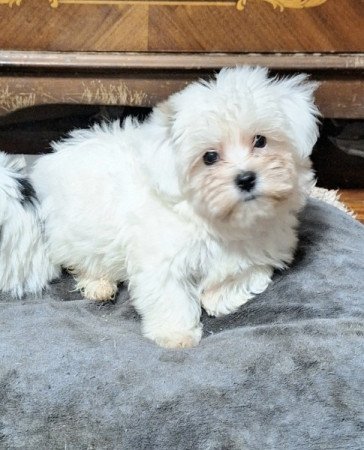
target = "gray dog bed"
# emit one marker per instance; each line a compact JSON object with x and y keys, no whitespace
{"x":285,"y":372}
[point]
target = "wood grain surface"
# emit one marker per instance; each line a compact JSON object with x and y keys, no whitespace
{"x":335,"y":26}
{"x":354,"y":199}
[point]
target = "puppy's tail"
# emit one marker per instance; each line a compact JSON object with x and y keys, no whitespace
{"x":24,"y":262}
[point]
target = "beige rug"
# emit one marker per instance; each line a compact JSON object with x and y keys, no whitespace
{"x":332,"y":198}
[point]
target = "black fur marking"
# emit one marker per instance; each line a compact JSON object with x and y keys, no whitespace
{"x":29,"y":197}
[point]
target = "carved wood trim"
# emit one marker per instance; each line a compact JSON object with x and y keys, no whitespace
{"x":10,"y":2}
{"x":281,"y":4}
{"x":239,"y":4}
{"x":56,"y":3}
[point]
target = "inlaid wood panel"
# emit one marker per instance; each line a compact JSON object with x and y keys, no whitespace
{"x":34,"y":25}
{"x":335,"y":26}
{"x":183,"y":26}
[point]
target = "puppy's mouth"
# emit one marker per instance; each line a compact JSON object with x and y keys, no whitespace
{"x":275,"y":198}
{"x":250,"y":197}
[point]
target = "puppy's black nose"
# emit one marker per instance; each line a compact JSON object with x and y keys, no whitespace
{"x":246,"y":180}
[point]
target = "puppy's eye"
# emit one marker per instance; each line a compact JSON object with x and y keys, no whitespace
{"x":210,"y":158}
{"x":260,"y":141}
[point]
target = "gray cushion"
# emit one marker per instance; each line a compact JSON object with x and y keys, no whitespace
{"x":285,"y":372}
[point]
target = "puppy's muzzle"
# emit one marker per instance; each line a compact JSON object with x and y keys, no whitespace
{"x":246,"y":180}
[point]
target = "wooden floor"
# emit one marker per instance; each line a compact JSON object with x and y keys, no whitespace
{"x":354,"y":199}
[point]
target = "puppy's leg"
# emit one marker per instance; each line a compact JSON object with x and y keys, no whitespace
{"x":170,"y":311}
{"x":93,"y":288}
{"x":227,"y":296}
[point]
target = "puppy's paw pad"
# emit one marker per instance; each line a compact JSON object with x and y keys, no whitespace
{"x":100,"y":290}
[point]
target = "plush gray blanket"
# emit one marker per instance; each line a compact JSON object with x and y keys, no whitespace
{"x":285,"y":372}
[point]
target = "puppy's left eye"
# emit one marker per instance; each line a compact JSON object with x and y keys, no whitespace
{"x":210,"y":158}
{"x":260,"y":141}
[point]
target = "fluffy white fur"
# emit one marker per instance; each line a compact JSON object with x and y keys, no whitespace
{"x":137,"y":203}
{"x":24,"y":260}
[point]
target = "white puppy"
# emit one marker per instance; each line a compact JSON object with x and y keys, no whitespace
{"x":194,"y":207}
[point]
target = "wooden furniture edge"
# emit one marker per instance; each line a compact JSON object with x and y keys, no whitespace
{"x":185,"y":61}
{"x":35,"y":78}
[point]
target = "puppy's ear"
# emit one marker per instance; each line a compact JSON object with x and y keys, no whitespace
{"x":297,"y":101}
{"x":165,"y":112}
{"x":160,"y":156}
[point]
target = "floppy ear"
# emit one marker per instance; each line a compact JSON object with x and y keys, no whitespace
{"x":159,"y":155}
{"x":297,"y":102}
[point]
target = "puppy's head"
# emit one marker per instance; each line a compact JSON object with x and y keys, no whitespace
{"x":240,"y":144}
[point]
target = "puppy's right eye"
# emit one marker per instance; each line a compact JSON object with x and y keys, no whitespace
{"x":210,"y":158}
{"x":260,"y":141}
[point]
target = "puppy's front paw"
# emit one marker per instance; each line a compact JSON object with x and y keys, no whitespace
{"x":176,"y":339}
